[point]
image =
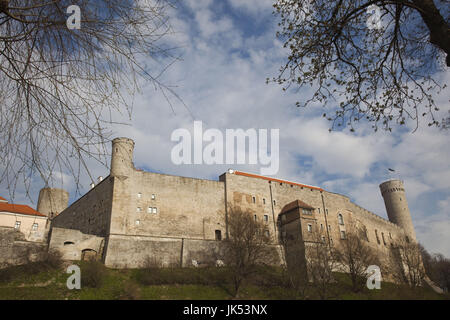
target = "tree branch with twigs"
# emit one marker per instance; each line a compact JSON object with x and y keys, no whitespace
{"x":385,"y":75}
{"x":60,"y":89}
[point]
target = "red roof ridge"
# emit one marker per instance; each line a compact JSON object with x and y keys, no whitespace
{"x":252,"y":175}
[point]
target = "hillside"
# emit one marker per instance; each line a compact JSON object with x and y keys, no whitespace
{"x":43,"y":281}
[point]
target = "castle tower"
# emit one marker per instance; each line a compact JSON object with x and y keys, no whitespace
{"x":122,"y":157}
{"x":393,"y":193}
{"x":52,"y":201}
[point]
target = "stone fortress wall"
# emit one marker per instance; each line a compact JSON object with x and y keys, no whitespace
{"x":179,"y":220}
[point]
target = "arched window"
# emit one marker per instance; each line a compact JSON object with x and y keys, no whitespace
{"x":340,"y":219}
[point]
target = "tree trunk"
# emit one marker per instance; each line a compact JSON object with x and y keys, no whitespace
{"x":439,"y":29}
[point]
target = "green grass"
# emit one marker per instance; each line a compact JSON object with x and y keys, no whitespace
{"x":44,"y":282}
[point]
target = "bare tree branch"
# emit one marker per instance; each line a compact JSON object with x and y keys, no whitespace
{"x":383,"y":75}
{"x":60,"y":87}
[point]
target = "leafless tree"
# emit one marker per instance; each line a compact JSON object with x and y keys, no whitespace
{"x":355,"y":255}
{"x":382,"y":72}
{"x":407,"y":264}
{"x":321,"y":262}
{"x":60,"y":87}
{"x":437,"y":267}
{"x":246,"y":246}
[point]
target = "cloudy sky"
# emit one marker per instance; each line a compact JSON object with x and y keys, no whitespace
{"x":228,"y":49}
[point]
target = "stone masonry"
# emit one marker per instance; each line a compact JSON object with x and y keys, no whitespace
{"x":181,"y":221}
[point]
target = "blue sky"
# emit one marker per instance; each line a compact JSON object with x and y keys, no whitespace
{"x":228,"y":49}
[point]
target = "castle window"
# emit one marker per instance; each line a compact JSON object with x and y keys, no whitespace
{"x":67,"y":243}
{"x":376,"y":234}
{"x":266,"y":218}
{"x":307,"y":211}
{"x":366,"y":235}
{"x":390,"y":236}
{"x":153,"y":196}
{"x":138,"y":222}
{"x":149,"y":210}
{"x":155,"y":210}
{"x":331,"y":241}
{"x":329,"y":227}
{"x":255,"y":217}
{"x":254,"y":199}
{"x":267,"y":233}
{"x":318,"y":210}
{"x":309,"y":227}
{"x":326,"y":210}
{"x":340,"y":219}
{"x":323,"y":239}
{"x":274,"y":203}
{"x":17,"y":225}
{"x":34,"y":227}
{"x":264,"y":201}
{"x":407,"y":239}
{"x":321,"y":227}
{"x":139,"y":195}
{"x":382,"y":236}
{"x":343,"y":235}
{"x":218,"y":235}
{"x":138,"y":209}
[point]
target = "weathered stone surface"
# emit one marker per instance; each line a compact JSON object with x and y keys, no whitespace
{"x":14,"y":250}
{"x":74,"y":245}
{"x":176,"y":220}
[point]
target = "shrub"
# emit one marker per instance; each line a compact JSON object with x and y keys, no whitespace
{"x":92,"y":274}
{"x":6,"y":274}
{"x":53,"y":259}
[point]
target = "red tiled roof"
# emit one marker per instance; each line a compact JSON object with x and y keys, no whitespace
{"x":251,"y":175}
{"x":19,"y":208}
{"x":2,"y":199}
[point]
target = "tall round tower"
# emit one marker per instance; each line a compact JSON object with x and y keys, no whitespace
{"x":393,"y":193}
{"x":122,"y":157}
{"x":52,"y":201}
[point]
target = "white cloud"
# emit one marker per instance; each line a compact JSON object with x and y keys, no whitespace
{"x":253,"y":7}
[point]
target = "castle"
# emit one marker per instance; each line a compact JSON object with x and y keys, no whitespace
{"x":132,"y":214}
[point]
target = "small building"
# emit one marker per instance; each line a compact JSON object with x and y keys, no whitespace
{"x":25,"y":219}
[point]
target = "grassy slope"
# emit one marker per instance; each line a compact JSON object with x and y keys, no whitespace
{"x":46,"y":283}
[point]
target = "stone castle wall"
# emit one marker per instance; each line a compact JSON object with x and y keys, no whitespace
{"x":265,"y":197}
{"x":175,"y":220}
{"x":15,"y":250}
{"x":91,"y":214}
{"x":164,"y":217}
{"x":74,"y":245}
{"x":185,"y":207}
